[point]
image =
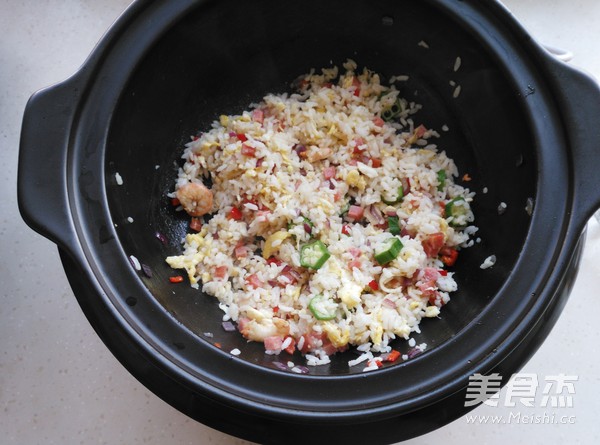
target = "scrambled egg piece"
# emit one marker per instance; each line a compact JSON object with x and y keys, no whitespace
{"x":335,"y":335}
{"x":354,"y":179}
{"x":273,"y":242}
{"x":350,"y":294}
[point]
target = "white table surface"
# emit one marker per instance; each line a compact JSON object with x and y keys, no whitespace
{"x":58,"y":382}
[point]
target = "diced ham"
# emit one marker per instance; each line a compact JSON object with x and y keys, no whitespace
{"x":254,"y":281}
{"x":273,"y":343}
{"x":354,"y":263}
{"x":378,"y":122}
{"x":291,"y":274}
{"x":428,"y":283}
{"x":355,"y":252}
{"x":430,"y":273}
{"x":248,"y":150}
{"x":355,"y":212}
{"x":240,"y":250}
{"x":221,"y":272}
{"x":291,"y":347}
{"x":329,"y":172}
{"x":420,"y":131}
{"x":258,"y":116}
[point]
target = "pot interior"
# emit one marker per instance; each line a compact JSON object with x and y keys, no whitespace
{"x":222,"y":56}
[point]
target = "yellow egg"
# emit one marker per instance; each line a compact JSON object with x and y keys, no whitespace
{"x":335,"y":335}
{"x":352,"y":177}
{"x":273,"y":242}
{"x":377,"y":336}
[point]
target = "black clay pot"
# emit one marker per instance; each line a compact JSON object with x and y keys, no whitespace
{"x":523,"y":127}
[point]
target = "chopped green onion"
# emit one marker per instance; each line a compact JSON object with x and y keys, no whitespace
{"x":389,"y":251}
{"x":322,"y":308}
{"x":456,"y":208}
{"x":395,"y":199}
{"x":305,"y":220}
{"x":393,"y":225}
{"x":314,"y":255}
{"x":387,"y":115}
{"x":441,"y":176}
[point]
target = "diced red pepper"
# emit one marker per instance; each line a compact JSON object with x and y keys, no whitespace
{"x":442,"y":206}
{"x":432,"y":244}
{"x":248,"y":151}
{"x":276,"y":309}
{"x":221,"y":272}
{"x":378,"y":122}
{"x":329,"y":172}
{"x":443,"y":272}
{"x":448,"y":256}
{"x":392,"y":356}
{"x":356,"y":85}
{"x":242,"y":137}
{"x":374,"y":285}
{"x":355,"y":212}
{"x":175,"y":202}
{"x":375,"y":362}
{"x":250,"y":200}
{"x":254,"y":281}
{"x":375,"y":162}
{"x":346,"y":230}
{"x":273,"y":260}
{"x":196,"y":224}
{"x":235,"y":214}
{"x":176,"y":279}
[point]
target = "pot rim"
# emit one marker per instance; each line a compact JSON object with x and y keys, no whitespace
{"x":131,"y":31}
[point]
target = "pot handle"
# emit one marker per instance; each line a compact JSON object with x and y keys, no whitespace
{"x":578,"y":96}
{"x":42,"y":186}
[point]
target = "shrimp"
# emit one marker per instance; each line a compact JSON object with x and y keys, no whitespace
{"x":319,"y":154}
{"x":195,"y":198}
{"x":258,"y":330}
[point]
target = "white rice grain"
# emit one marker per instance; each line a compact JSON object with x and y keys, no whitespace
{"x":488,"y":262}
{"x":456,"y":92}
{"x":135,"y":262}
{"x":457,"y":64}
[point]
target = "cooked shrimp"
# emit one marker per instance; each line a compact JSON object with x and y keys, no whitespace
{"x":258,"y":330}
{"x":195,"y":198}
{"x":317,"y":154}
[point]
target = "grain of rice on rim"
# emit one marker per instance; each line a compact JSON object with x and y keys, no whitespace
{"x":457,"y":64}
{"x":274,"y":175}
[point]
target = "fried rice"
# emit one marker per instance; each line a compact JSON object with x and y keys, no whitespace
{"x":333,"y":217}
